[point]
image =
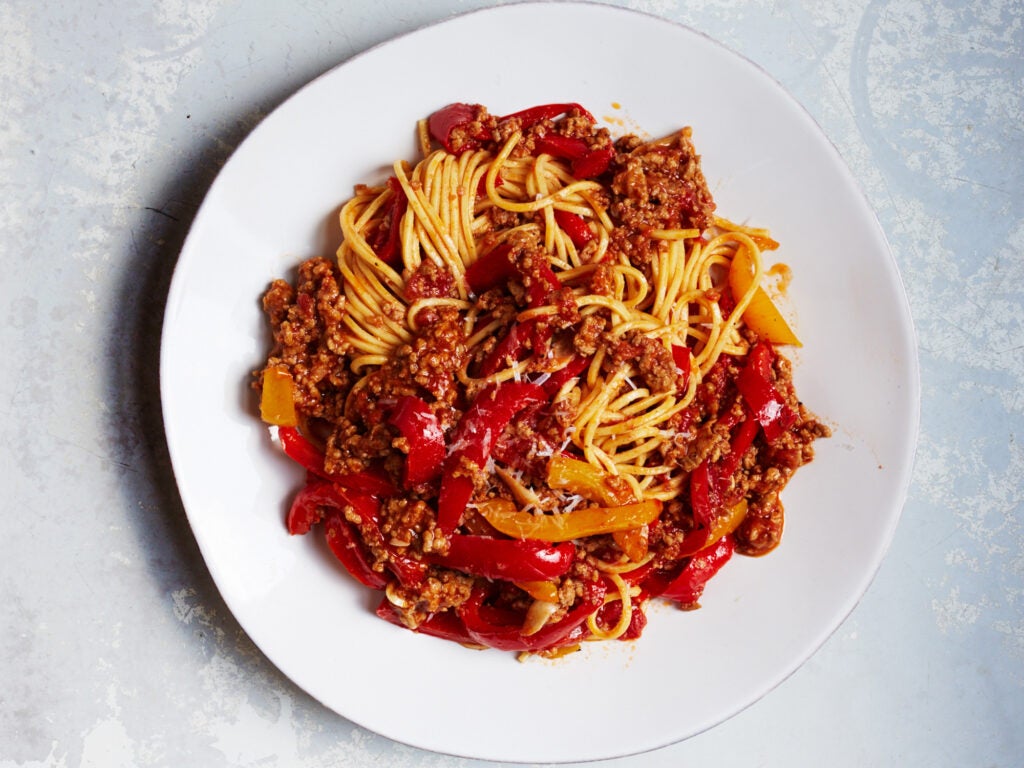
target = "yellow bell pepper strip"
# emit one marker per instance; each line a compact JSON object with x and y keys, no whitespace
{"x":633,"y":542}
{"x":578,"y":524}
{"x":583,"y":478}
{"x":727,"y":523}
{"x":546,"y":591}
{"x":277,"y":400}
{"x":761,"y":314}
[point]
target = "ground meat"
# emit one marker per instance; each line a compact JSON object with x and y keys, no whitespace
{"x":307,"y":327}
{"x":761,"y":529}
{"x":602,"y":281}
{"x":429,"y":281}
{"x":443,"y":589}
{"x":657,"y":367}
{"x":530,"y":311}
{"x":663,"y":182}
{"x":589,"y":334}
{"x":652,"y":360}
{"x":350,"y":448}
{"x":403,"y":520}
{"x":657,"y":186}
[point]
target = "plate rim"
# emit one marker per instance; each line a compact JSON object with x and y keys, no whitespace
{"x":908,"y":338}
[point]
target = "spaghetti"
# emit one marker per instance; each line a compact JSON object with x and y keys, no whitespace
{"x":539,"y":385}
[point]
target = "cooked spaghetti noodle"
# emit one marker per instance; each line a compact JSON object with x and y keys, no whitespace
{"x":532,"y":389}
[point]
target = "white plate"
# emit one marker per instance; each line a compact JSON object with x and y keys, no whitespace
{"x":274,"y":204}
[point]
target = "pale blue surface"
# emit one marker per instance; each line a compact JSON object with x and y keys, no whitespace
{"x":115,"y":647}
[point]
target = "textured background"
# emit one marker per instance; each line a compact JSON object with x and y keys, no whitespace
{"x":116,"y":648}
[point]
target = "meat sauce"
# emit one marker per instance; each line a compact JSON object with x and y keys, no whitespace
{"x":645,"y":186}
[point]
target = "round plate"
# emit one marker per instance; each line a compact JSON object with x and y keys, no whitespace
{"x":767,"y":162}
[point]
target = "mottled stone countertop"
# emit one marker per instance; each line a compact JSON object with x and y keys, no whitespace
{"x":116,"y":648}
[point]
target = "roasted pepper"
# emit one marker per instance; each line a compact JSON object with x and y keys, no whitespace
{"x":473,"y":440}
{"x":583,"y":478}
{"x":457,"y":128}
{"x":761,"y":314}
{"x":387,"y":242}
{"x":566,"y":526}
{"x":373,"y":481}
{"x":761,"y":396}
{"x":507,"y":559}
{"x":687,"y":587}
{"x":445,"y":625}
{"x":533,"y":115}
{"x":277,"y":398}
{"x":575,"y":226}
{"x":423,"y":434}
{"x":502,"y":629}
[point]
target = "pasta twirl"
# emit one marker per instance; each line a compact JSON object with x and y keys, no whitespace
{"x":539,"y":385}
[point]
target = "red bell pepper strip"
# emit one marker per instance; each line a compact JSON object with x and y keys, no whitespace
{"x":509,"y":350}
{"x":507,"y":559}
{"x":594,"y":163}
{"x":320,"y":493}
{"x":387,"y":244}
{"x":481,"y":186}
{"x":492,"y":269}
{"x":610,"y":613}
{"x":300,"y":450}
{"x":419,"y":425}
{"x":409,"y":571}
{"x":534,"y":115}
{"x":543,"y":281}
{"x":373,"y":481}
{"x":688,"y":586}
{"x":741,"y":443}
{"x":457,"y":117}
{"x":565,"y":147}
{"x":347,"y":547}
{"x":482,"y":627}
{"x":306,"y":509}
{"x":473,"y":440}
{"x":576,"y":365}
{"x":496,"y":267}
{"x":705,"y":498}
{"x":575,"y":226}
{"x":446,"y":625}
{"x":761,"y":396}
{"x":586,"y":163}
